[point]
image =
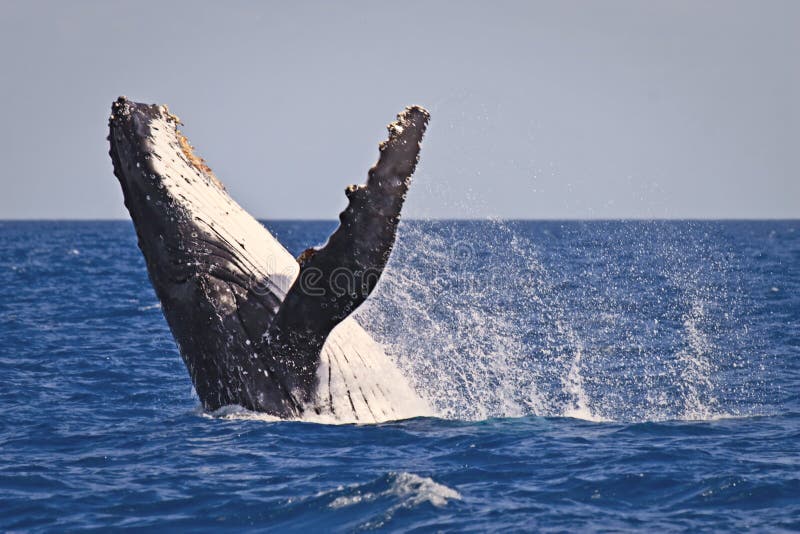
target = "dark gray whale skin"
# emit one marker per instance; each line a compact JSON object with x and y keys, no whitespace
{"x":241,"y":342}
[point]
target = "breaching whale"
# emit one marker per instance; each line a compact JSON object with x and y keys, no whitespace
{"x":256,"y":327}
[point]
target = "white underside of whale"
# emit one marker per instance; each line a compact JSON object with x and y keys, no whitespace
{"x":358,"y":382}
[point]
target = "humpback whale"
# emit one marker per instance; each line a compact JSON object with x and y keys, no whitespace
{"x":255,"y":326}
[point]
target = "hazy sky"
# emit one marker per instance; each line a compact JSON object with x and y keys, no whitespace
{"x":539,"y":109}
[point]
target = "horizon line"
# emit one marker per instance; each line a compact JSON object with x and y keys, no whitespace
{"x":453,"y":219}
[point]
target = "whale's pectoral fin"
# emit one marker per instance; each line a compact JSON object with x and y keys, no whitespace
{"x":335,"y":279}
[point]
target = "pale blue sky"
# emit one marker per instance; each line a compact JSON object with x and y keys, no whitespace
{"x":539,"y":109}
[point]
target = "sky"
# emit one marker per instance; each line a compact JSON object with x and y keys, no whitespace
{"x":540,"y":110}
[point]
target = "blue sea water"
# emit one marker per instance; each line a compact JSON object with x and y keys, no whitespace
{"x":588,"y":376}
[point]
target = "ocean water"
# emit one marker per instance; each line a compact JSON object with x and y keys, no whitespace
{"x":591,"y":376}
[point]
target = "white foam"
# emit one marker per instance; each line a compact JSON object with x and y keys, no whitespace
{"x":236,"y":412}
{"x":412,"y":490}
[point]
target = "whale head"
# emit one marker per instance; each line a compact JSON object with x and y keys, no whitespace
{"x":220,"y":275}
{"x":162,"y":223}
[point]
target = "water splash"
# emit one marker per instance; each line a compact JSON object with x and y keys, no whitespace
{"x":488,"y":324}
{"x":696,"y":367}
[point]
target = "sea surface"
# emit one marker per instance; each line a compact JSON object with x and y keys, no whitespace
{"x":587,"y":376}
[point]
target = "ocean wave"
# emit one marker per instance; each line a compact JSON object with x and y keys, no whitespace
{"x":390,"y":494}
{"x":410,"y":490}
